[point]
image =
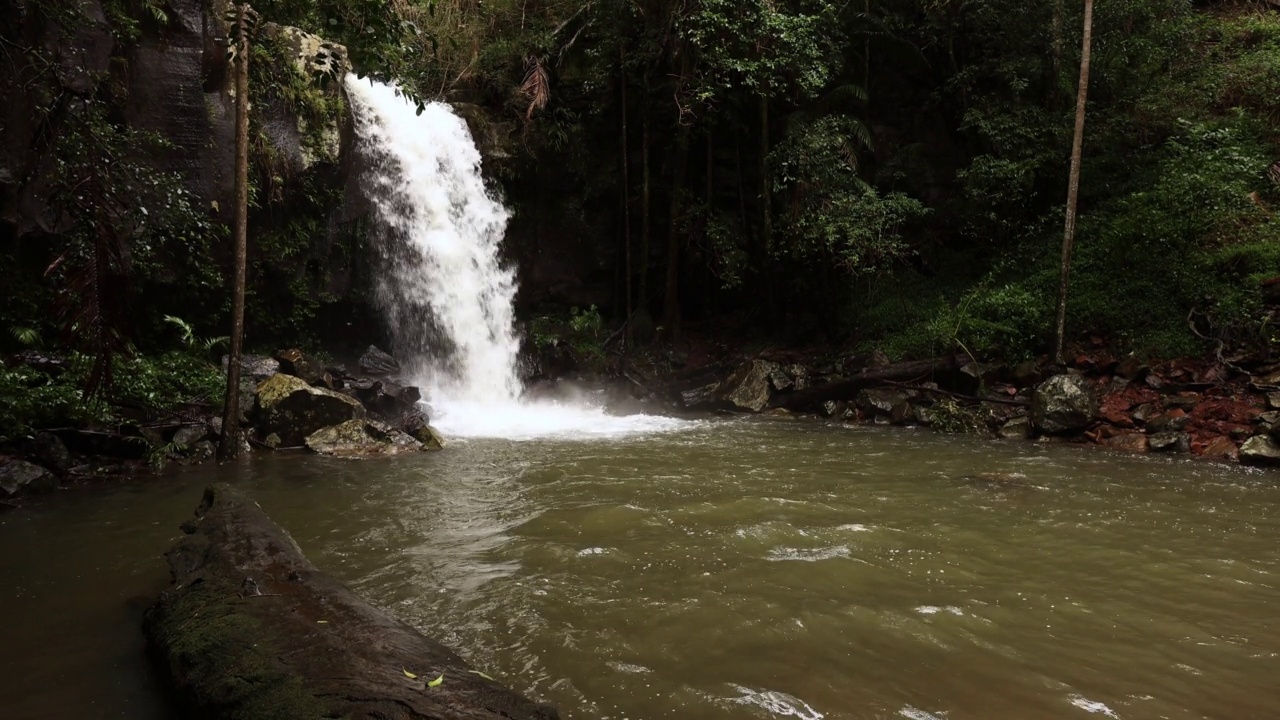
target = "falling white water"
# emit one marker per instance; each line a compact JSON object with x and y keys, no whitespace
{"x":445,"y":291}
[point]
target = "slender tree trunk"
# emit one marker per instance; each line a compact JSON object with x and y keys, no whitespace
{"x":646,"y":221}
{"x":766,"y":217}
{"x":1055,"y":87}
{"x":706,"y":221}
{"x":866,"y":51}
{"x":1073,"y":189}
{"x":229,"y":448}
{"x":671,"y":303}
{"x":626,"y":195}
{"x":766,"y":211}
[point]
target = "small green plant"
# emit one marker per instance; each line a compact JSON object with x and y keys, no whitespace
{"x":189,"y":339}
{"x":587,"y":322}
{"x":30,"y":337}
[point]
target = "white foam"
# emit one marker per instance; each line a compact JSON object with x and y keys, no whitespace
{"x":776,"y":703}
{"x":808,"y":554}
{"x":532,"y":420}
{"x":1092,"y":706}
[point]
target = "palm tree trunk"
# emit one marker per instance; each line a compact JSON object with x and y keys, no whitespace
{"x":229,"y":448}
{"x":1073,"y":189}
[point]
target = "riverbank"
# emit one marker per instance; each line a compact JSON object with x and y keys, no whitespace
{"x":1214,"y":408}
{"x":288,"y":401}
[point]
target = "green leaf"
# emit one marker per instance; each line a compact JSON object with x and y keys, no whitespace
{"x":437,"y":682}
{"x":408,"y":674}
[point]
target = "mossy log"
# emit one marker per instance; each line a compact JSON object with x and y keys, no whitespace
{"x":251,"y":630}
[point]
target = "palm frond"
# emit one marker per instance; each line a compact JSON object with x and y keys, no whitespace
{"x":536,"y":86}
{"x":861,"y":133}
{"x":844,"y":95}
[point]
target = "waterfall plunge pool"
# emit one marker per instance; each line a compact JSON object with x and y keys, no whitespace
{"x":746,"y":568}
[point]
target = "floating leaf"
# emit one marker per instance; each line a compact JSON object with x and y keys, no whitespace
{"x":437,"y":682}
{"x":486,"y":677}
{"x":322,"y":622}
{"x":408,"y":674}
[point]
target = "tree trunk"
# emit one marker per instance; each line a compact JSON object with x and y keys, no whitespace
{"x":913,"y":371}
{"x":766,"y":217}
{"x":229,"y":448}
{"x":1073,"y":189}
{"x":671,"y":302}
{"x":646,"y":195}
{"x":626,"y":199}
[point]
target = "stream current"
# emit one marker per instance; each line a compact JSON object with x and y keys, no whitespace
{"x":745,"y":569}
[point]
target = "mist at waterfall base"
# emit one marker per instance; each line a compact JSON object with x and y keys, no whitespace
{"x":446,"y":295}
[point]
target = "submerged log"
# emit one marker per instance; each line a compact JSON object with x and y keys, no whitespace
{"x":848,"y":389}
{"x":251,"y":629}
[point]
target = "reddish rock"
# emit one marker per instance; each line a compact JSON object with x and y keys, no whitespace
{"x":1130,"y":442}
{"x":1116,"y":406}
{"x":1219,"y":448}
{"x":1234,"y":410}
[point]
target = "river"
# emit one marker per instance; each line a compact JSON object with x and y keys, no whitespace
{"x":730,"y":569}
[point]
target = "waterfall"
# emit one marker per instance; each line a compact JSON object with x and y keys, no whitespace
{"x":445,"y":292}
{"x":441,"y":234}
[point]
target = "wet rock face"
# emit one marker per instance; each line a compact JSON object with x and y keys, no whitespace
{"x":1179,"y":442}
{"x":376,"y":363}
{"x":1261,"y":450}
{"x":750,"y":387}
{"x":292,"y":410}
{"x":19,"y":476}
{"x":700,"y":397}
{"x":1063,"y":404}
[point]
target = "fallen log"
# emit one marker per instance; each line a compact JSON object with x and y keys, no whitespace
{"x":251,"y":629}
{"x":870,"y":377}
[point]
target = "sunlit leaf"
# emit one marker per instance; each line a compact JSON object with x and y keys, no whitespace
{"x":408,"y":674}
{"x":437,"y":682}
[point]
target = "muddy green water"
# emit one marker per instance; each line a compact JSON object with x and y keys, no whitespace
{"x":741,"y":569}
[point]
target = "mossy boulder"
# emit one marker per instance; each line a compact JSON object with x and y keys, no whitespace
{"x":1063,"y":404}
{"x":293,"y":410}
{"x":361,"y":438}
{"x":251,"y":630}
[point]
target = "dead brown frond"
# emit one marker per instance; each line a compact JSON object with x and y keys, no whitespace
{"x":536,"y":86}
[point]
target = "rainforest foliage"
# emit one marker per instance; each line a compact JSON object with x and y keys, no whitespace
{"x":887,"y":172}
{"x":882,"y":174}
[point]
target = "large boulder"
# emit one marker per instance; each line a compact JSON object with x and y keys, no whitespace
{"x":255,"y":368}
{"x":700,"y":398}
{"x":292,"y":410}
{"x":749,"y":388}
{"x":1260,"y":450}
{"x":385,"y":399}
{"x":377,"y":363}
{"x":361,"y":438}
{"x":250,"y":628}
{"x":419,"y":426}
{"x":294,"y":362}
{"x":1063,"y":404}
{"x":21,"y":476}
